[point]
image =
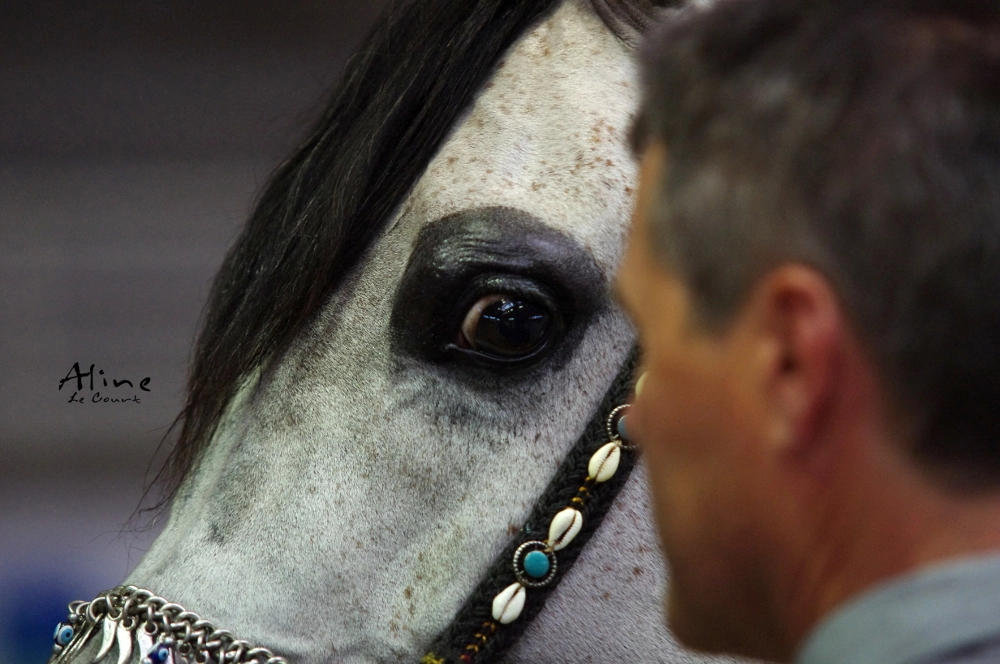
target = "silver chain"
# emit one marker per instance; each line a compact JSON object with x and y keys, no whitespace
{"x":187,"y":633}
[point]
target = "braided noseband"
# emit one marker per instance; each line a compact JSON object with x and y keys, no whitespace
{"x":567,"y":514}
{"x":497,"y":612}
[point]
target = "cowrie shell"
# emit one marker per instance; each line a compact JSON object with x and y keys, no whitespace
{"x":507,"y":606}
{"x":639,"y":384}
{"x":564,"y":528}
{"x":604,"y":463}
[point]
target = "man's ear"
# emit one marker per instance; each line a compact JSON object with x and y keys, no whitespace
{"x":799,"y":324}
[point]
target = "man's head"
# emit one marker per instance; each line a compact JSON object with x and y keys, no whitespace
{"x":815,"y":275}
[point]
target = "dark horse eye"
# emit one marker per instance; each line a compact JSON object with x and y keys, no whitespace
{"x":505,"y":326}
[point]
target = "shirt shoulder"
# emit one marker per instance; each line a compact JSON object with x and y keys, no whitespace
{"x":988,"y":653}
{"x":945,"y":614}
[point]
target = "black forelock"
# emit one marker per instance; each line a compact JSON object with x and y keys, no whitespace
{"x":412,"y":77}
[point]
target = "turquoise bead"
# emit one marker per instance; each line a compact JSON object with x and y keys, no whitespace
{"x":536,"y":564}
{"x":622,"y":433}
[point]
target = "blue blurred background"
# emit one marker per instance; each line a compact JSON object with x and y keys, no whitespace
{"x":133,"y":137}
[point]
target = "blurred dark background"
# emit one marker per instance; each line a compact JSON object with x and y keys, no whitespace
{"x":133,"y":138}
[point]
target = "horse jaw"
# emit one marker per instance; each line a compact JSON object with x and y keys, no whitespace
{"x":349,"y":502}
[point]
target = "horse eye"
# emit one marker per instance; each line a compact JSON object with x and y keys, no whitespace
{"x":504,"y":326}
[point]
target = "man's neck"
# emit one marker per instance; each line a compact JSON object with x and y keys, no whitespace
{"x":883,"y":518}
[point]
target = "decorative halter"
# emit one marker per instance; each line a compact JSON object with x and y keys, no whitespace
{"x":512,"y":593}
{"x":166,"y":633}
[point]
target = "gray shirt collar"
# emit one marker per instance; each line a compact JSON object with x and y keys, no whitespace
{"x":916,"y":618}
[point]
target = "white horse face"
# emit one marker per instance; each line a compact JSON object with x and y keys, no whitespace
{"x":354,"y":495}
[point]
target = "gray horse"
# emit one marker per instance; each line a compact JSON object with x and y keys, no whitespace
{"x":412,"y":332}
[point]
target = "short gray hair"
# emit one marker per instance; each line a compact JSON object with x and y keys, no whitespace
{"x":861,"y":137}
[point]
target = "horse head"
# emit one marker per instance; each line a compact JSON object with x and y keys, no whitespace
{"x":409,"y":337}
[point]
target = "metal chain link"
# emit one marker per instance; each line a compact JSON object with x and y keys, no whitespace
{"x":191,"y":637}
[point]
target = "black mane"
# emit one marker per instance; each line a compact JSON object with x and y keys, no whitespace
{"x":412,"y":77}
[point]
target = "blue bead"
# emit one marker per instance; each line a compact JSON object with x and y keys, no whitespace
{"x":536,"y":564}
{"x":64,"y":634}
{"x":622,"y":432}
{"x":159,"y":655}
